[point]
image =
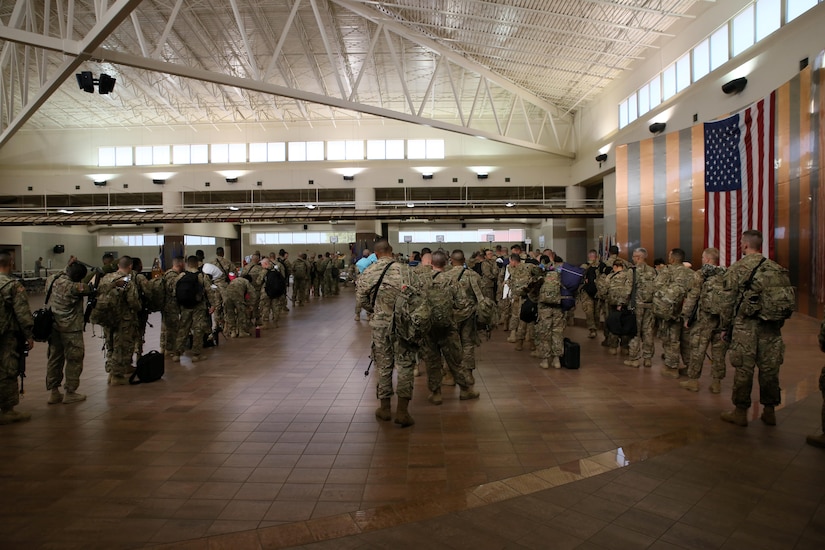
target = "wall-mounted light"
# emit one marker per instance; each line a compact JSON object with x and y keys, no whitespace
{"x":482,"y":175}
{"x":427,"y":176}
{"x":86,"y":81}
{"x":601,"y":158}
{"x":62,"y":211}
{"x":140,"y":210}
{"x":349,"y":178}
{"x":735,"y":86}
{"x":410,"y":205}
{"x":310,"y":206}
{"x":231,"y":180}
{"x":510,"y":204}
{"x":100,"y":183}
{"x":657,"y":127}
{"x":158,"y":182}
{"x":234,"y":208}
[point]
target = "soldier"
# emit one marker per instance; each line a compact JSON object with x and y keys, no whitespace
{"x":142,"y":284}
{"x":377,"y":291}
{"x":286,"y":270}
{"x":551,"y":322}
{"x":819,"y":439}
{"x":470,"y":283}
{"x":300,"y":288}
{"x":255,"y":274}
{"x":15,"y":339}
{"x":222,"y":281}
{"x":315,"y":276}
{"x":618,"y":298}
{"x":588,"y":292}
{"x":675,"y":279}
{"x":445,"y":341}
{"x":753,"y":342}
{"x":271,"y":307}
{"x":425,"y":266}
{"x":170,"y":316}
{"x":489,"y":274}
{"x":324,"y":267}
{"x":702,"y":299}
{"x":66,"y":348}
{"x":194,"y":294}
{"x":238,"y":306}
{"x":109,"y":264}
{"x":613,"y":255}
{"x":521,"y":274}
{"x":120,"y":339}
{"x":642,"y":345}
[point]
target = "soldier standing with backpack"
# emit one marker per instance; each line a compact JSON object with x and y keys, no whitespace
{"x":193,"y":292}
{"x":170,"y":316}
{"x":119,"y":294}
{"x":588,"y":293}
{"x":300,"y":288}
{"x":15,"y":338}
{"x":755,"y":329}
{"x":671,"y":288}
{"x":254,"y":273}
{"x":642,"y":345}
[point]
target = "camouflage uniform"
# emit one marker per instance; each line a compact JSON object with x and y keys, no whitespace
{"x":618,"y":297}
{"x":286,"y":266}
{"x":257,"y":274}
{"x":315,"y":277}
{"x":66,"y":341}
{"x":194,"y":319}
{"x":592,"y":306}
{"x":237,"y":306}
{"x":753,"y":343}
{"x":271,"y":308}
{"x":142,"y":284}
{"x":551,"y":322}
{"x":15,"y":324}
{"x":675,"y":338}
{"x":121,"y":339}
{"x":520,"y":276}
{"x":170,"y":316}
{"x":489,"y":277}
{"x":706,"y":329}
{"x":324,"y":267}
{"x":222,"y":283}
{"x":601,"y":297}
{"x":443,"y":342}
{"x":388,"y":352}
{"x":642,"y":345}
{"x":300,"y":288}
{"x":466,"y":319}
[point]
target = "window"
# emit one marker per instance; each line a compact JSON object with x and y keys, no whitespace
{"x":416,"y":149}
{"x":257,"y":152}
{"x":683,"y":72}
{"x":395,"y":149}
{"x":304,"y":237}
{"x":297,"y":151}
{"x":742,"y":27}
{"x":143,"y":156}
{"x":123,"y":156}
{"x":336,"y":150}
{"x":220,"y":153}
{"x":180,"y":154}
{"x":669,"y":82}
{"x":435,"y":148}
{"x":106,"y":156}
{"x":315,"y":150}
{"x":110,"y":240}
{"x":376,"y":149}
{"x":276,"y":152}
{"x":719,"y":48}
{"x":355,"y":150}
{"x":237,"y":152}
{"x":701,"y":59}
{"x":768,"y":17}
{"x":632,"y":106}
{"x":623,"y":114}
{"x":466,"y":236}
{"x":644,"y":100}
{"x":200,"y":154}
{"x":798,"y":7}
{"x":655,"y":92}
{"x":195,"y":240}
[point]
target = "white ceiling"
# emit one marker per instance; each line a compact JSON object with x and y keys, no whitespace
{"x":516,"y":71}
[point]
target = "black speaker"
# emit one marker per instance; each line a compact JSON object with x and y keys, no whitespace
{"x":305,"y":227}
{"x":59,"y":249}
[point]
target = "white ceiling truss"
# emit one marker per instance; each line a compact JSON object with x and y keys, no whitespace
{"x":513,"y":71}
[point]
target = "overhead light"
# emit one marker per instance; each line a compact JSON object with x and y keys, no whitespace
{"x":657,"y":127}
{"x":349,"y":178}
{"x":510,"y":204}
{"x":86,"y":82}
{"x":310,"y":206}
{"x":410,"y":205}
{"x":62,"y":211}
{"x":427,"y":176}
{"x":735,"y":86}
{"x":482,"y":175}
{"x":601,"y":158}
{"x":234,"y":208}
{"x":100,"y":183}
{"x":141,"y":210}
{"x":231,"y":180}
{"x":158,"y":182}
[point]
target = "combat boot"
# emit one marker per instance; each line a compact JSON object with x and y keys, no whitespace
{"x":11,"y":416}
{"x":119,"y":380}
{"x":556,"y":363}
{"x":73,"y":397}
{"x":716,"y":386}
{"x":691,"y":384}
{"x":384,"y":412}
{"x":632,"y":363}
{"x":447,"y":379}
{"x":519,"y":345}
{"x":435,"y":397}
{"x":468,"y":376}
{"x":736,"y":416}
{"x":512,"y":337}
{"x":357,"y":317}
{"x":648,"y":363}
{"x":402,"y":415}
{"x":768,"y":416}
{"x":612,"y":351}
{"x":532,"y":345}
{"x":670,"y":373}
{"x":544,"y":364}
{"x":55,"y":397}
{"x":468,"y":393}
{"x":535,"y":353}
{"x":592,"y":333}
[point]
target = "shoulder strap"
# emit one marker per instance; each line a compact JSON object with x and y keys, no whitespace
{"x":633,"y":292}
{"x":748,"y":284}
{"x":51,"y":286}
{"x":374,"y":290}
{"x":436,"y":274}
{"x":460,"y":275}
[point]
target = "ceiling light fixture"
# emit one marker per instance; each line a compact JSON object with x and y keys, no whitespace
{"x":601,"y":158}
{"x":100,"y":183}
{"x":158,"y":182}
{"x":231,"y":180}
{"x":510,"y":204}
{"x":410,"y":205}
{"x":234,"y":208}
{"x":427,"y":176}
{"x":483,"y":175}
{"x":62,"y":211}
{"x":349,"y":178}
{"x":310,"y":206}
{"x":141,"y":210}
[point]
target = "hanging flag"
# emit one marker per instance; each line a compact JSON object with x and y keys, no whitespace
{"x":739,"y":179}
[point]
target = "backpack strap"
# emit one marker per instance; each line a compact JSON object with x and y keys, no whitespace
{"x":51,"y":286}
{"x":374,"y":289}
{"x":748,"y":284}
{"x":632,"y":303}
{"x":460,"y":275}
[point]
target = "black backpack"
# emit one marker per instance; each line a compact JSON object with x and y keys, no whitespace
{"x":477,"y":268}
{"x":189,"y":290}
{"x":590,"y":276}
{"x":274,"y":284}
{"x":149,"y":368}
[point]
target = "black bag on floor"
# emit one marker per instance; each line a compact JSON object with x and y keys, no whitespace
{"x":150,"y":368}
{"x":572,"y":354}
{"x":621,"y":323}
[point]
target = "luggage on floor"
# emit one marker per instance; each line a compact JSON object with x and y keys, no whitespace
{"x":150,"y":367}
{"x":572,"y":354}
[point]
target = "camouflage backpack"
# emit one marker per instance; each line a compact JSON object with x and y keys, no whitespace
{"x":715,"y":298}
{"x":299,"y":269}
{"x":616,"y":290}
{"x":155,"y":297}
{"x":411,"y":317}
{"x":550,"y":292}
{"x":770,"y":296}
{"x":668,"y":297}
{"x":108,"y":305}
{"x":486,"y":309}
{"x":440,"y":299}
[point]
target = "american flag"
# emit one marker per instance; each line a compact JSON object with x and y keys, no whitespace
{"x":739,"y":179}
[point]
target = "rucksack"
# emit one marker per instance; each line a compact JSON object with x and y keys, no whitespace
{"x":616,"y":290}
{"x":589,"y":283}
{"x":715,"y":298}
{"x":668,"y":297}
{"x":441,"y":304}
{"x":529,"y":312}
{"x":336,"y":271}
{"x":486,"y":309}
{"x":107,"y":305}
{"x":44,"y":318}
{"x":550,"y":293}
{"x":155,"y":297}
{"x":571,"y":276}
{"x":189,"y":290}
{"x":274,"y":284}
{"x":149,"y":368}
{"x":299,"y":269}
{"x":771,"y":296}
{"x":411,"y":317}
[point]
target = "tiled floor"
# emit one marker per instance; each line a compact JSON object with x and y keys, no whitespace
{"x":272,"y":443}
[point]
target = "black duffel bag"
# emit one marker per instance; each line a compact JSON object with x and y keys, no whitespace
{"x":621,"y":322}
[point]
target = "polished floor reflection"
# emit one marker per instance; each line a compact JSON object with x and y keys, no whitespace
{"x":272,"y":442}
